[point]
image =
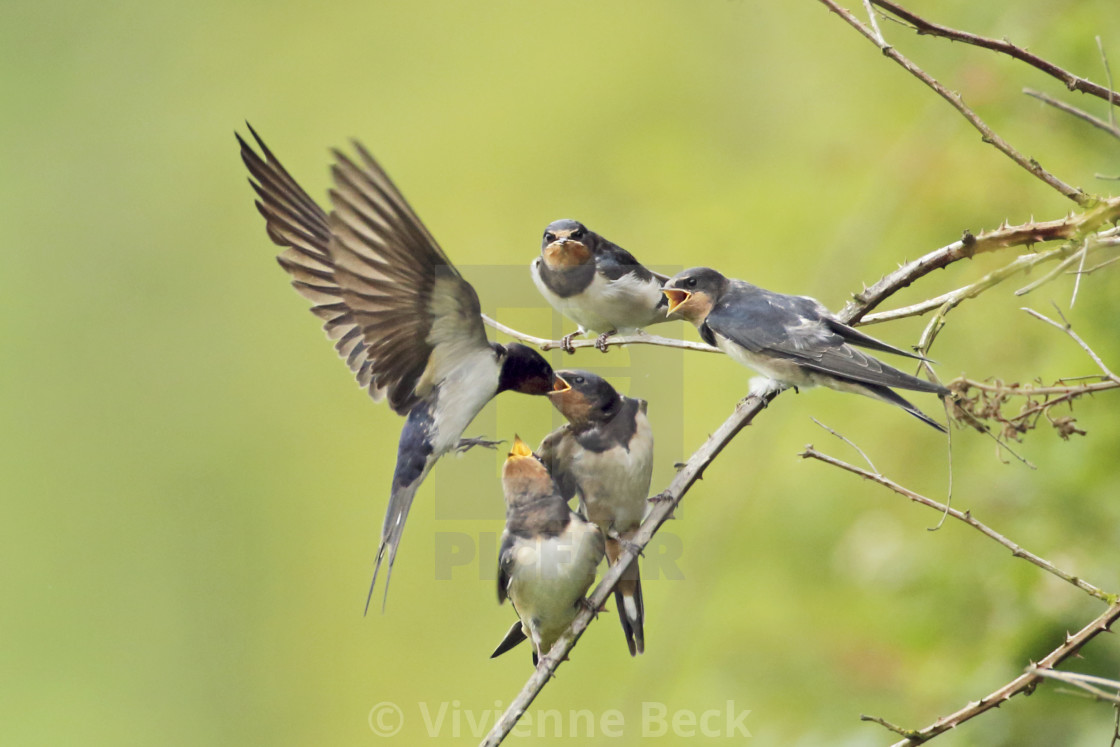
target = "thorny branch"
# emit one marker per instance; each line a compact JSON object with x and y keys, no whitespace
{"x":955,"y":100}
{"x":1024,"y":683}
{"x":966,"y":517}
{"x":1074,"y":229}
{"x":1072,"y":82}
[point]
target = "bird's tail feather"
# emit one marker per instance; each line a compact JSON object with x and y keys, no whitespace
{"x":514,"y":636}
{"x":884,"y":394}
{"x":399,"y":503}
{"x":628,"y":599}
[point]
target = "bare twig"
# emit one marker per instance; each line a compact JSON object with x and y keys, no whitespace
{"x":641,"y":338}
{"x":1108,"y":77}
{"x":966,"y":517}
{"x":987,"y":133}
{"x":1024,"y":683}
{"x":849,"y":442}
{"x":1072,"y":82}
{"x":1090,"y":684}
{"x":1100,"y":124}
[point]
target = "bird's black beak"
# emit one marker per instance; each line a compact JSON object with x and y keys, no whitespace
{"x":676,"y":297}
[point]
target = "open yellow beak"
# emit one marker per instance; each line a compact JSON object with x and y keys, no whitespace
{"x":559,"y":385}
{"x":676,"y":297}
{"x":520,"y":448}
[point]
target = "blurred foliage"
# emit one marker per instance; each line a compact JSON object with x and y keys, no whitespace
{"x":193,"y":486}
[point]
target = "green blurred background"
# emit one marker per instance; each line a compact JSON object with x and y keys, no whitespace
{"x":193,"y":485}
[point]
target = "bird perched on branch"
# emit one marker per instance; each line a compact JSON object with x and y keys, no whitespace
{"x":605,"y":456}
{"x":598,"y":285}
{"x":794,"y":340}
{"x":548,"y":555}
{"x":405,"y":321}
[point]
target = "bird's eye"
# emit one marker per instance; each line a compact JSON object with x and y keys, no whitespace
{"x":549,"y":236}
{"x":577,"y":234}
{"x":578,"y":379}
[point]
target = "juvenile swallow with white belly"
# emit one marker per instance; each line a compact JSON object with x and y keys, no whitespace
{"x":605,"y":456}
{"x":406,"y":322}
{"x":596,"y":284}
{"x":548,"y":554}
{"x":794,"y":340}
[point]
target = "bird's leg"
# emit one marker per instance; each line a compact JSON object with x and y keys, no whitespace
{"x":601,"y":340}
{"x":466,"y":444}
{"x":763,"y":386}
{"x":566,"y":342}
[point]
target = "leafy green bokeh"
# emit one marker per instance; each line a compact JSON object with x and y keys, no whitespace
{"x":193,"y":486}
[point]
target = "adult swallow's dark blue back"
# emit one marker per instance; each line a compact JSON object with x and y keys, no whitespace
{"x":406,"y":322}
{"x":596,"y":284}
{"x":792,"y":339}
{"x":605,"y":456}
{"x":548,"y":554}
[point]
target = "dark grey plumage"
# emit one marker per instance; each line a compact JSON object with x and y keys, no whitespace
{"x":792,"y":339}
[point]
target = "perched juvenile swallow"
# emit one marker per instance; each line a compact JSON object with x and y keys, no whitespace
{"x":406,"y":322}
{"x":548,"y":555}
{"x":605,"y":456}
{"x":596,"y":284}
{"x":792,"y":339}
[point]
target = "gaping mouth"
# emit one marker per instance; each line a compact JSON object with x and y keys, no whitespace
{"x":520,"y":448}
{"x":676,"y":297}
{"x":559,"y":385}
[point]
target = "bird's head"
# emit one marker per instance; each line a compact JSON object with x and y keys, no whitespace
{"x":583,"y":397}
{"x":524,"y":478}
{"x":566,"y":244}
{"x":693,"y":293}
{"x":524,"y":370}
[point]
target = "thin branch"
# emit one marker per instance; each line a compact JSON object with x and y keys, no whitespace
{"x":1088,"y":683}
{"x":849,"y":442}
{"x":1081,"y":343}
{"x":1108,"y":77}
{"x":988,"y":134}
{"x":968,"y":246}
{"x":1072,"y":82}
{"x":641,"y":338}
{"x":966,"y":517}
{"x":1100,"y":124}
{"x":1024,"y":683}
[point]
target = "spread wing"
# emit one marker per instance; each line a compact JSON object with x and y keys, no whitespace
{"x":799,"y":329}
{"x":417,"y":314}
{"x":295,"y":222}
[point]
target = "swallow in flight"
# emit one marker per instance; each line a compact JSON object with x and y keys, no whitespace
{"x":404,"y":320}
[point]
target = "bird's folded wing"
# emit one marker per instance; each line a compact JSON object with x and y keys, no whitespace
{"x":293,"y":220}
{"x":417,"y":314}
{"x":784,"y":327}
